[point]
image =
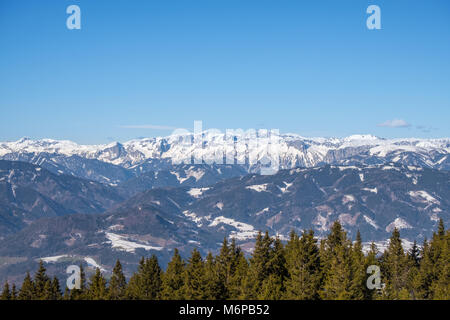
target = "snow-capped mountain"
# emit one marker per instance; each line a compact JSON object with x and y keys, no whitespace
{"x":247,"y":148}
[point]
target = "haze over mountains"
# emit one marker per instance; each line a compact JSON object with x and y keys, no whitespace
{"x":66,"y":202}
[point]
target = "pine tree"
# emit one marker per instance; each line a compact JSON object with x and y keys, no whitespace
{"x":338,"y":265}
{"x":194,"y":277}
{"x":238,"y":279}
{"x":146,"y":283}
{"x":27,"y":290}
{"x":97,"y":287}
{"x":14,"y":292}
{"x":259,"y":266}
{"x":40,"y":282}
{"x":214,"y":285}
{"x":6,"y":294}
{"x":273,"y":287}
{"x":224,"y":270}
{"x":441,"y":285}
{"x":47,"y":292}
{"x":359,"y":289}
{"x":173,"y":279}
{"x":304,"y":267}
{"x":414,"y":255}
{"x":55,"y":289}
{"x":421,"y":281}
{"x":117,"y":283}
{"x":395,"y":269}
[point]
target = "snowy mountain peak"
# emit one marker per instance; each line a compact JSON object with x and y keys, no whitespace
{"x":247,"y":147}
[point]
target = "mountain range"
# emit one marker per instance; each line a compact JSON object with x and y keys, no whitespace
{"x":67,"y":203}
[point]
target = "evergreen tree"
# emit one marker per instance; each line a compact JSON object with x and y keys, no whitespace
{"x":27,"y":290}
{"x":273,"y":287}
{"x":359,"y":289}
{"x":40,"y":282}
{"x":395,"y":269}
{"x":117,"y":283}
{"x":194,"y":277}
{"x":146,"y":283}
{"x":97,"y":287}
{"x":238,"y":279}
{"x":47,"y":292}
{"x":13,"y":292}
{"x":338,"y":265}
{"x":173,"y":279}
{"x":304,"y":267}
{"x":259,"y":266}
{"x":214,"y":284}
{"x":441,"y":286}
{"x":55,"y":289}
{"x":6,"y":294}
{"x":224,"y":270}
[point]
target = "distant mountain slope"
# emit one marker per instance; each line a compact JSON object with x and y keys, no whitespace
{"x":30,"y":192}
{"x":182,"y":175}
{"x":372,"y":199}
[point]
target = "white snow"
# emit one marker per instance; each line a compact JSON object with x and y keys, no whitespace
{"x":348,"y":198}
{"x":371,"y":222}
{"x":119,"y":242}
{"x":91,"y":262}
{"x":244,"y":230}
{"x":258,"y":187}
{"x":423,"y":196}
{"x":293,"y":150}
{"x":197,"y":192}
{"x":398,"y":223}
{"x":262,"y":211}
{"x":193,"y":217}
{"x":286,"y":187}
{"x":383,"y":245}
{"x":373,"y":190}
{"x":53,"y":259}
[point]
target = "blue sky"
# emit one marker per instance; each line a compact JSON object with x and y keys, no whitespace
{"x":139,"y":68}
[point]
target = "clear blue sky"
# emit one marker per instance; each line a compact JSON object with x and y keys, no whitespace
{"x":309,"y":67}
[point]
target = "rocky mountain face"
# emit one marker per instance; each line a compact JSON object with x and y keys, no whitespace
{"x":372,"y":198}
{"x":106,"y":163}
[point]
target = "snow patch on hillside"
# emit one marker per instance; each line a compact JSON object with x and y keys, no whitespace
{"x":197,"y":192}
{"x":423,"y":196}
{"x":258,"y":187}
{"x":244,"y":231}
{"x":398,"y":223}
{"x":121,"y":243}
{"x":91,"y":262}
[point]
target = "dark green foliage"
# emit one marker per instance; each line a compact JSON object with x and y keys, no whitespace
{"x":173,"y":278}
{"x":301,"y":269}
{"x":194,"y":278}
{"x":146,"y":283}
{"x":97,"y":287}
{"x":117,"y":283}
